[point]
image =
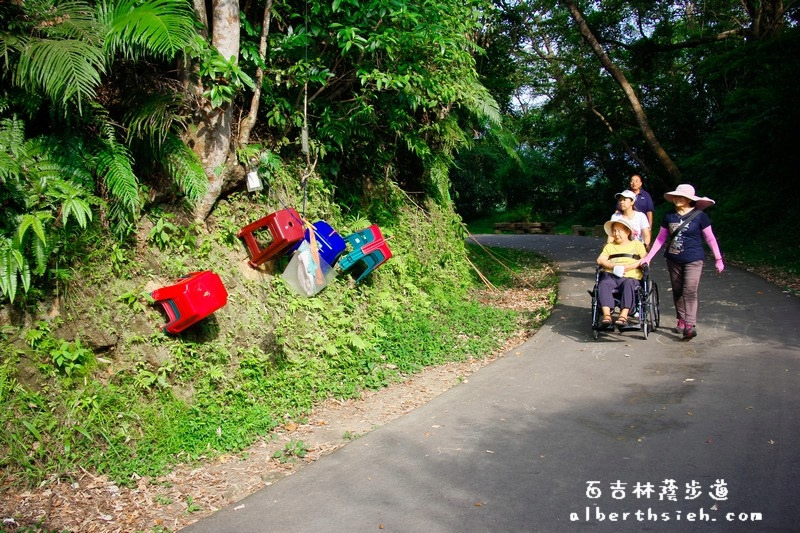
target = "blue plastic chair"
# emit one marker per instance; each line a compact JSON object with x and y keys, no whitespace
{"x":330,"y":244}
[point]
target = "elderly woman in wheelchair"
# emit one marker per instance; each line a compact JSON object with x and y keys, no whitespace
{"x":619,"y":261}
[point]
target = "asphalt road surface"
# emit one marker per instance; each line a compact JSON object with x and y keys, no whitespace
{"x":567,"y":433}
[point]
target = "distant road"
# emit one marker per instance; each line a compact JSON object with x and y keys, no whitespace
{"x":567,"y":433}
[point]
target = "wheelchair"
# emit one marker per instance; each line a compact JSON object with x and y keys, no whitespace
{"x":645,"y":315}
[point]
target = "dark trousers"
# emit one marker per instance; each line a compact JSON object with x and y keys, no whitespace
{"x":685,"y":279}
{"x":608,"y":283}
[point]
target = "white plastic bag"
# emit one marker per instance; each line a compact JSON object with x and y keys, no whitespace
{"x":307,"y":273}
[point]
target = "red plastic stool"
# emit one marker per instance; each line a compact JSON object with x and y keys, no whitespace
{"x":286,"y":228}
{"x":192,"y":299}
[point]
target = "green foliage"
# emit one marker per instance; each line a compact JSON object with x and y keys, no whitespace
{"x":156,"y":28}
{"x":114,"y":168}
{"x":53,"y":49}
{"x":64,"y":48}
{"x":294,"y":449}
{"x":71,"y":358}
{"x":163,"y":233}
{"x":63,"y":68}
{"x":133,"y":299}
{"x":213,"y":67}
{"x":267,"y":356}
{"x":749,"y":152}
{"x":425,"y":336}
{"x":392,"y":88}
{"x":119,"y":259}
{"x":14,"y":267}
{"x":46,"y":204}
{"x":183,"y":166}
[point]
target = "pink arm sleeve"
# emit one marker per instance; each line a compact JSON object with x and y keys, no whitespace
{"x":656,"y":245}
{"x":708,"y":235}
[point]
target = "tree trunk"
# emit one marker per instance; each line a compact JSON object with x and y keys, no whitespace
{"x":212,"y":138}
{"x":766,"y":18}
{"x":619,"y":77}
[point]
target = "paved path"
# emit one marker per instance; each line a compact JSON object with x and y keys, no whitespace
{"x":514,"y":448}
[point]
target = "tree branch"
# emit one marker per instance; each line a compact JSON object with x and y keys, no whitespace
{"x":691,"y":43}
{"x":249,"y":121}
{"x":638,"y":111}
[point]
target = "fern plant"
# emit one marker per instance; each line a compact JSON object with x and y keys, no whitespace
{"x":63,"y":49}
{"x":183,"y":167}
{"x":66,"y":67}
{"x":44,"y":200}
{"x":13,"y":269}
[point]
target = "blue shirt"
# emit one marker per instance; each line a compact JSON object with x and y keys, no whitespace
{"x":687,"y":245}
{"x":643,"y":202}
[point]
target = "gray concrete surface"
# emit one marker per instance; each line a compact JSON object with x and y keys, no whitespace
{"x":514,"y":448}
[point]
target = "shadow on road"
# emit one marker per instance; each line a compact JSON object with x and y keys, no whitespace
{"x":518,"y":446}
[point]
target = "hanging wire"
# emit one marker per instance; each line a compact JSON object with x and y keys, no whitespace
{"x":304,"y":134}
{"x":304,"y":138}
{"x":305,"y":180}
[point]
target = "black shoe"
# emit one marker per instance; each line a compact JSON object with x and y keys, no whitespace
{"x":689,"y":333}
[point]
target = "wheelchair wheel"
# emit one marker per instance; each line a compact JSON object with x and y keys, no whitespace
{"x":595,"y":319}
{"x":644,"y":312}
{"x":654,"y":315}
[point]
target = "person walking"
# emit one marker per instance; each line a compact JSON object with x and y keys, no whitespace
{"x":637,"y":221}
{"x":643,"y":202}
{"x":683,"y":232}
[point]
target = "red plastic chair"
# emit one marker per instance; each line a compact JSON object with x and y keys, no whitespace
{"x":192,"y":299}
{"x":286,"y":228}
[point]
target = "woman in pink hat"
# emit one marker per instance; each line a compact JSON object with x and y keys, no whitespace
{"x":684,"y":231}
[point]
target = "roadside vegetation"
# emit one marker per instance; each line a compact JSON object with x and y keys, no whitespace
{"x":129,"y":130}
{"x":148,"y":400}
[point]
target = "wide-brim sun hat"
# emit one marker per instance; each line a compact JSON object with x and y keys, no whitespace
{"x":687,"y":191}
{"x":610,"y":224}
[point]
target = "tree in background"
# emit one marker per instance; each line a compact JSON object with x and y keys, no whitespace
{"x":748,"y":152}
{"x":74,"y":139}
{"x":687,"y":64}
{"x":639,"y":113}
